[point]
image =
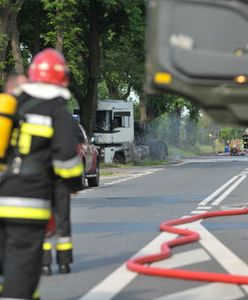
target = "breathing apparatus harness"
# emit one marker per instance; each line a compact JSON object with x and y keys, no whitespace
{"x":12,"y":115}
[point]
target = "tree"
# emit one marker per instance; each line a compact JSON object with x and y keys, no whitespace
{"x":229,"y":133}
{"x":33,"y":29}
{"x":9,"y":10}
{"x":103,"y":41}
{"x":93,"y":19}
{"x":122,"y":64}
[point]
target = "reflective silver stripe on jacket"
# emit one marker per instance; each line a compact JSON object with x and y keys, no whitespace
{"x":67,"y":164}
{"x":24,"y":202}
{"x":63,"y":240}
{"x":39,"y":119}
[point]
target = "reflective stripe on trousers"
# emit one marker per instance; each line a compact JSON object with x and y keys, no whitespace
{"x":64,"y":244}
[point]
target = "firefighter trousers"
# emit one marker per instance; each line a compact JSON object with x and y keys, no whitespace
{"x":64,"y":248}
{"x":20,"y":258}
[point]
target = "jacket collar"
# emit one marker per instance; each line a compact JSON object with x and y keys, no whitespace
{"x":45,"y":91}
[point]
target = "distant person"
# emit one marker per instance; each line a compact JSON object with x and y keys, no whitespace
{"x":14,"y":81}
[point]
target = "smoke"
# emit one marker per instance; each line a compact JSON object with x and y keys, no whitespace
{"x":182,"y":135}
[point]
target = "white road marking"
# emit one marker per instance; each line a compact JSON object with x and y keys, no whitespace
{"x":204,"y":207}
{"x":131,"y":177}
{"x":183,"y":259}
{"x":229,"y":190}
{"x":81,"y":192}
{"x":77,"y":195}
{"x":218,"y":191}
{"x":218,"y":291}
{"x":111,"y":285}
{"x":197,"y":212}
{"x":219,"y":159}
{"x":226,"y":258}
{"x":119,"y":279}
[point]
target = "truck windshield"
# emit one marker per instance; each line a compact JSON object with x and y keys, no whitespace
{"x":103,"y":121}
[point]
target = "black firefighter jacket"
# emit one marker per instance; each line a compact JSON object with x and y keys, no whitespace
{"x":43,"y":146}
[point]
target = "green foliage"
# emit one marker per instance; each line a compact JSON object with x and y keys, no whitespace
{"x":3,"y":3}
{"x":103,"y":92}
{"x":120,"y":25}
{"x":228,"y":133}
{"x":60,"y":14}
{"x":123,"y":50}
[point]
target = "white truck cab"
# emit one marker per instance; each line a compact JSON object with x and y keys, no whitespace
{"x":114,"y":130}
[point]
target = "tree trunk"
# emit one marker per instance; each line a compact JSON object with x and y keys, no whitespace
{"x":60,"y":40}
{"x":143,"y":110}
{"x":5,"y":13}
{"x":60,"y":32}
{"x":112,"y":89}
{"x":77,"y":91}
{"x":15,"y":43}
{"x":88,"y":107}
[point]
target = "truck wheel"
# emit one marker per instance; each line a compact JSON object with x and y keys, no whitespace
{"x":94,"y":181}
{"x":119,"y":158}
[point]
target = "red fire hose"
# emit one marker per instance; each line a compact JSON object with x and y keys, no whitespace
{"x":141,"y":264}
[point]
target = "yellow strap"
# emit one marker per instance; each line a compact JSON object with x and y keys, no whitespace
{"x":1,"y":288}
{"x":38,"y":130}
{"x":25,"y":213}
{"x":24,"y":143}
{"x":36,"y":295}
{"x":69,"y":173}
{"x":64,"y":246}
{"x":47,"y":246}
{"x":14,"y":137}
{"x":3,"y":167}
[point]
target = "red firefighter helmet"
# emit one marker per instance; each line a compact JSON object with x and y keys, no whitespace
{"x":49,"y":66}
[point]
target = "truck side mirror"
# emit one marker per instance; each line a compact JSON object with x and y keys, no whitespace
{"x":199,"y":49}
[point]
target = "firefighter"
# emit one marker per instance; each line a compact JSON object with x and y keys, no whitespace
{"x":60,"y":203}
{"x":61,"y":226}
{"x":42,"y":144}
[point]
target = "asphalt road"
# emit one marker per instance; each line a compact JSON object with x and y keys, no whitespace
{"x":121,"y":218}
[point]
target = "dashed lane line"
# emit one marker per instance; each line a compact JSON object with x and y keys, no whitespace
{"x":114,"y":182}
